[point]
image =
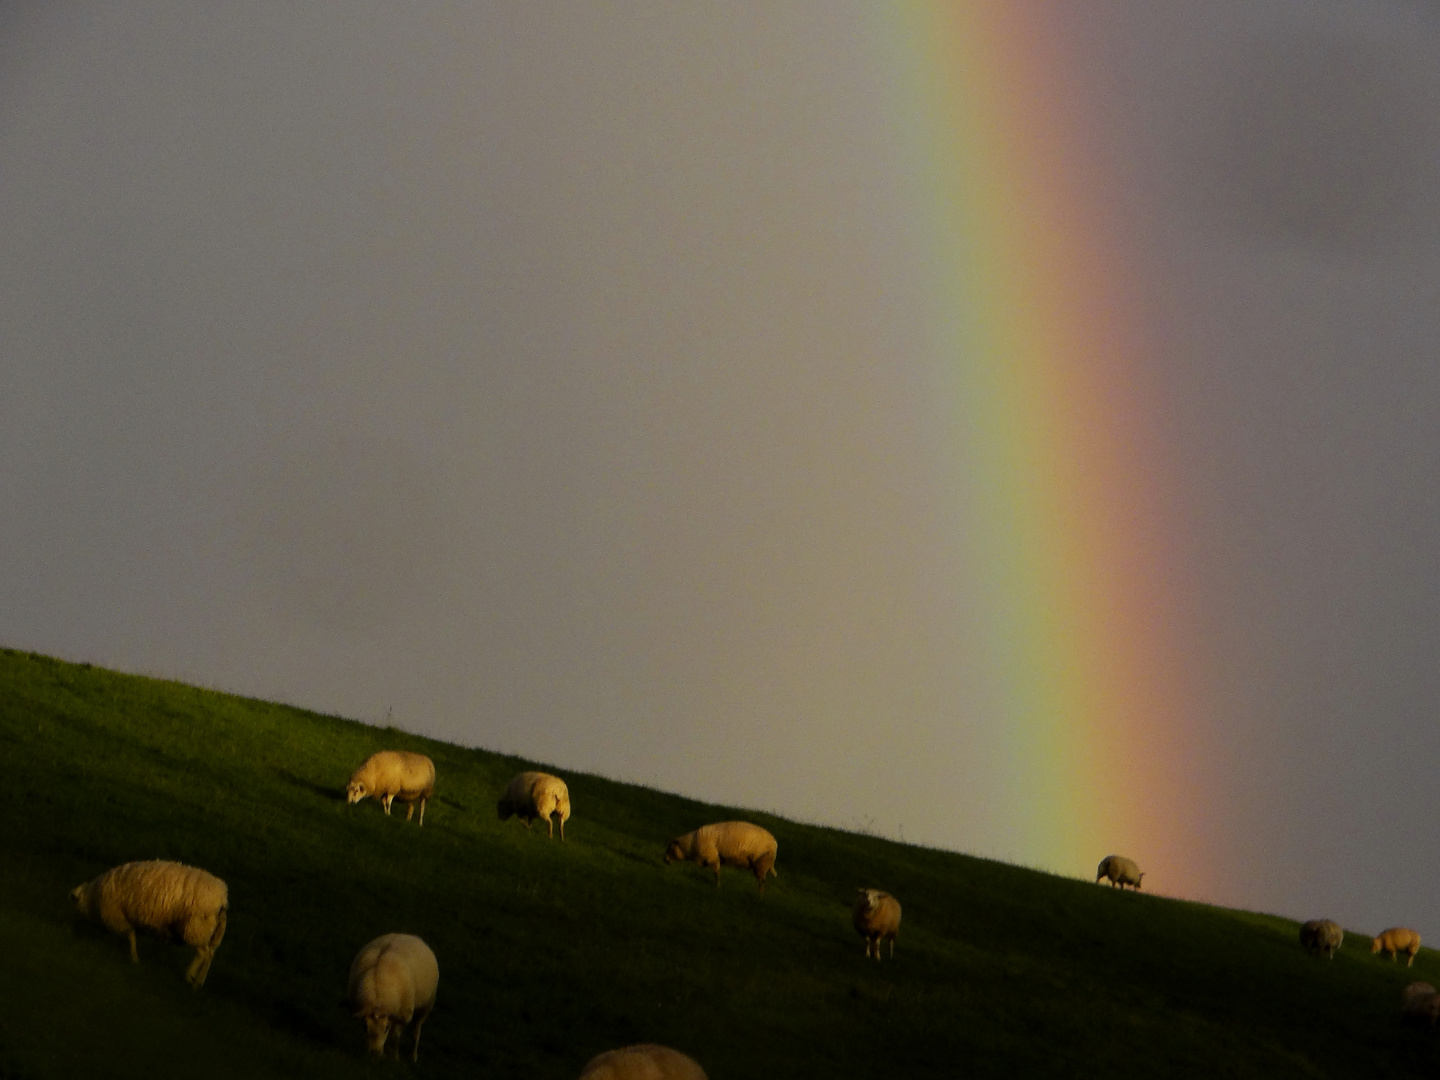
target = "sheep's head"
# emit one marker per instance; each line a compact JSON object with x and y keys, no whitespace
{"x":377,"y":1027}
{"x":80,"y":897}
{"x":674,"y":853}
{"x":1138,"y":880}
{"x":1375,"y":945}
{"x":355,"y":791}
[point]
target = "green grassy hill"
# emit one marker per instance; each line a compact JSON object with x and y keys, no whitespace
{"x":550,"y":953}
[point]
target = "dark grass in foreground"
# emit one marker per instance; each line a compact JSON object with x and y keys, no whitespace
{"x":550,"y":953}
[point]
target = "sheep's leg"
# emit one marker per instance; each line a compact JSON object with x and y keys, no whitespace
{"x":134,"y":952}
{"x":415,"y":1046}
{"x":550,"y":826}
{"x":409,"y":811}
{"x":199,"y":968}
{"x":562,"y":830}
{"x":385,"y":801}
{"x":892,"y":948}
{"x":422,"y":810}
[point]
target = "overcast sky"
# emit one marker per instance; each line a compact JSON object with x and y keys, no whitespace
{"x":550,"y":379}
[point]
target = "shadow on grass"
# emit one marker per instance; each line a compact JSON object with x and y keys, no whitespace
{"x":330,"y":794}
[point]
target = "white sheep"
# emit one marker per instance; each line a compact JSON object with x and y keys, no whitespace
{"x":392,"y":986}
{"x":1419,"y":1004}
{"x":1396,"y":940}
{"x":1321,"y":937}
{"x":733,"y":843}
{"x":165,"y":899}
{"x":877,"y":919}
{"x":1120,"y":870}
{"x":644,"y":1062}
{"x":533,"y":796}
{"x":394,"y":774}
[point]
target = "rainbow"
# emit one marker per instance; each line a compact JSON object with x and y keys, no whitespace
{"x":1042,"y":344}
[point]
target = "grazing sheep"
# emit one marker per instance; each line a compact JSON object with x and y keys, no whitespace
{"x":1397,"y":940}
{"x":392,"y":986}
{"x":1120,"y":870}
{"x":1419,"y":1004}
{"x":164,"y":898}
{"x":533,"y":796}
{"x":877,"y":918}
{"x":391,"y":775}
{"x":1321,"y":937}
{"x":734,"y":843}
{"x":644,"y":1062}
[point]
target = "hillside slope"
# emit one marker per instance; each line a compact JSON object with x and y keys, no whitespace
{"x":550,"y":953}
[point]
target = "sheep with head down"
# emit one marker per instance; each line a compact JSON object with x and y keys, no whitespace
{"x":646,"y":1061}
{"x":1120,"y":870}
{"x":1321,"y":937}
{"x":1396,"y":940}
{"x":167,"y":899}
{"x":536,"y":796}
{"x":394,"y":774}
{"x":392,"y":988}
{"x":728,"y":843}
{"x":877,"y":919}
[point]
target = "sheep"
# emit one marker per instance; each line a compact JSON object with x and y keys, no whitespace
{"x":1321,"y":937}
{"x":1419,"y":1004}
{"x":164,"y":898}
{"x":734,"y":843}
{"x":394,"y":774}
{"x":1120,"y":870}
{"x":392,"y":986}
{"x":877,"y":918}
{"x":531,"y":796}
{"x":1396,"y":940}
{"x":646,"y":1061}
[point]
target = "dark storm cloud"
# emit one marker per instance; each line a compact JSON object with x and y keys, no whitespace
{"x":1323,"y":140}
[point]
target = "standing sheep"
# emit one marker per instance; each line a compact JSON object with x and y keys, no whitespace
{"x":164,"y":898}
{"x":644,"y":1062}
{"x":1120,"y":870}
{"x":877,"y":918}
{"x":392,"y":986}
{"x":1396,"y":940}
{"x":1321,"y":937}
{"x":533,"y":796}
{"x":394,"y":774}
{"x":733,"y":843}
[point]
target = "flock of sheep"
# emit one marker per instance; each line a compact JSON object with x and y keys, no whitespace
{"x":1420,"y":1004}
{"x":393,"y":979}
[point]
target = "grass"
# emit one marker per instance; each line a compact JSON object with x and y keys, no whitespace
{"x":550,"y":953}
